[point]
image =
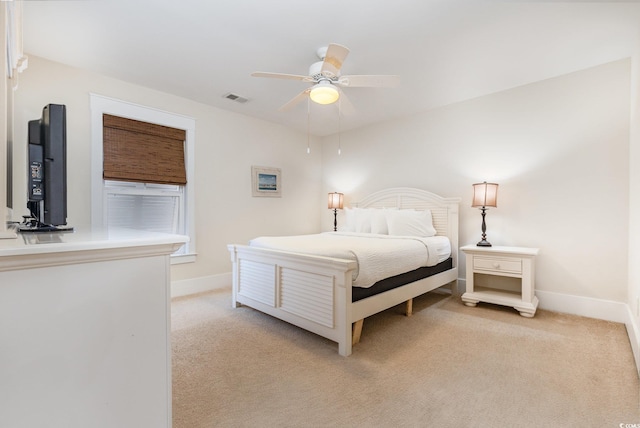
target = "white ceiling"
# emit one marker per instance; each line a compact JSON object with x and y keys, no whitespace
{"x":443,"y":50}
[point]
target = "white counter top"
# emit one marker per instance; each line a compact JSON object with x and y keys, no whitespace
{"x":81,"y":245}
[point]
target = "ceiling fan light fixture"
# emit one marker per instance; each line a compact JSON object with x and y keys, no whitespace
{"x":324,"y":93}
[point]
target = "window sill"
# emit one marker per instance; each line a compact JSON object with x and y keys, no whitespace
{"x":177,"y":259}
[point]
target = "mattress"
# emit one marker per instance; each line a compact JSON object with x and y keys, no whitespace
{"x":377,"y":256}
{"x":359,"y":293}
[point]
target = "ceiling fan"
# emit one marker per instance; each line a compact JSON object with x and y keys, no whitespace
{"x":327,"y":80}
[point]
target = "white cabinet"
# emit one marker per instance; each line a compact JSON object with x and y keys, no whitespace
{"x":85,"y":330}
{"x":515,"y":262}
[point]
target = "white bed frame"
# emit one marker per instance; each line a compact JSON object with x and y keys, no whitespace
{"x":314,"y":292}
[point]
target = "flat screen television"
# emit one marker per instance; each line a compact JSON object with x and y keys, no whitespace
{"x":47,"y":172}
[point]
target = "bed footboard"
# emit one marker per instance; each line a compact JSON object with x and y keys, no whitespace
{"x":311,"y":292}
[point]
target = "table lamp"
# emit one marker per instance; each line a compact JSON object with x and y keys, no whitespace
{"x":335,"y":203}
{"x":484,"y":195}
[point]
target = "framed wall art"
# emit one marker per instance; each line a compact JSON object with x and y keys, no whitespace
{"x":266,"y":181}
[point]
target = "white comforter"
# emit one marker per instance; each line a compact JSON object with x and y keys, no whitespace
{"x":378,"y":256}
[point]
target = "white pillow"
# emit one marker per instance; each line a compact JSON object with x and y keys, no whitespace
{"x":410,"y":223}
{"x":349,"y":220}
{"x":364,"y":217}
{"x":365,"y":220}
{"x":379,"y":221}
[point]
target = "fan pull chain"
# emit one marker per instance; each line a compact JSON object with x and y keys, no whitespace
{"x":308,"y":124}
{"x":339,"y":126}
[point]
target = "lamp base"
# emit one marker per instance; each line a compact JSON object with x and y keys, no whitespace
{"x":483,"y":243}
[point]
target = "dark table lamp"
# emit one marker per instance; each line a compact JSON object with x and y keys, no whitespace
{"x":484,"y":195}
{"x":335,"y":203}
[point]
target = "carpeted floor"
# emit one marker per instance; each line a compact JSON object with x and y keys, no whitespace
{"x":446,"y":366}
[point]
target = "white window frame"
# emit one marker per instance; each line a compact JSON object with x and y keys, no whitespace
{"x":101,"y":105}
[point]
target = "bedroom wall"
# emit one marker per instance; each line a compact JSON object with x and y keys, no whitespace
{"x":559,"y":150}
{"x":3,"y":124}
{"x":227,"y":144}
{"x":633,"y":323}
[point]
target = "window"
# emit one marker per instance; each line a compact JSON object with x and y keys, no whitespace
{"x":144,"y":206}
{"x":136,"y":195}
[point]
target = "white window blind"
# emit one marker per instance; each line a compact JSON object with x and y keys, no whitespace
{"x":150,"y":207}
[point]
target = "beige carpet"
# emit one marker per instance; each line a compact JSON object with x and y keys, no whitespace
{"x":446,"y":366}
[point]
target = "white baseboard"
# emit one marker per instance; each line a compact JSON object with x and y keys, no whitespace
{"x":584,"y":306}
{"x":634,"y":336}
{"x":186,"y":287}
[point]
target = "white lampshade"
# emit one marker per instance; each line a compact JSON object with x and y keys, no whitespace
{"x":485,"y":195}
{"x":336,"y":200}
{"x":324,"y":93}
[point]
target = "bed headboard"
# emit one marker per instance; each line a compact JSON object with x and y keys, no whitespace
{"x":444,"y":211}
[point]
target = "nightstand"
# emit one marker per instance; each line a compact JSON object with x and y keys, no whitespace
{"x":515,"y":262}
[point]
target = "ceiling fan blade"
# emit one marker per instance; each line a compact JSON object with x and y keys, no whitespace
{"x":371,"y":81}
{"x":345,"y":105}
{"x":333,"y":60}
{"x":295,"y":100}
{"x":282,"y":76}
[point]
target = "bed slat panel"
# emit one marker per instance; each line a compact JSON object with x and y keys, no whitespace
{"x":308,"y":295}
{"x":385,"y":203}
{"x":407,"y":203}
{"x":440,"y":218}
{"x":257,"y":281}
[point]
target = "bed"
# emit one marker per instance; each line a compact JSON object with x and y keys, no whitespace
{"x":317,"y":292}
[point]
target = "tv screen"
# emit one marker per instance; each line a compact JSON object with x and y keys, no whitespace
{"x":47,"y":169}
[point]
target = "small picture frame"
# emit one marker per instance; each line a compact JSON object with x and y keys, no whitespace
{"x":266,"y":181}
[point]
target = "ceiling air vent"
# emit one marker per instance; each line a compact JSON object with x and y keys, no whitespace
{"x":236,"y":98}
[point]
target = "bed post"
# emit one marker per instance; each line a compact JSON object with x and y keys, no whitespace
{"x":344,"y":309}
{"x":234,"y":274}
{"x":452,"y":233}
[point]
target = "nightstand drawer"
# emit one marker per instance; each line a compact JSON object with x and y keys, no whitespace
{"x":498,"y":264}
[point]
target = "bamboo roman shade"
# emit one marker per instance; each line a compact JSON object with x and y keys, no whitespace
{"x":142,"y":152}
